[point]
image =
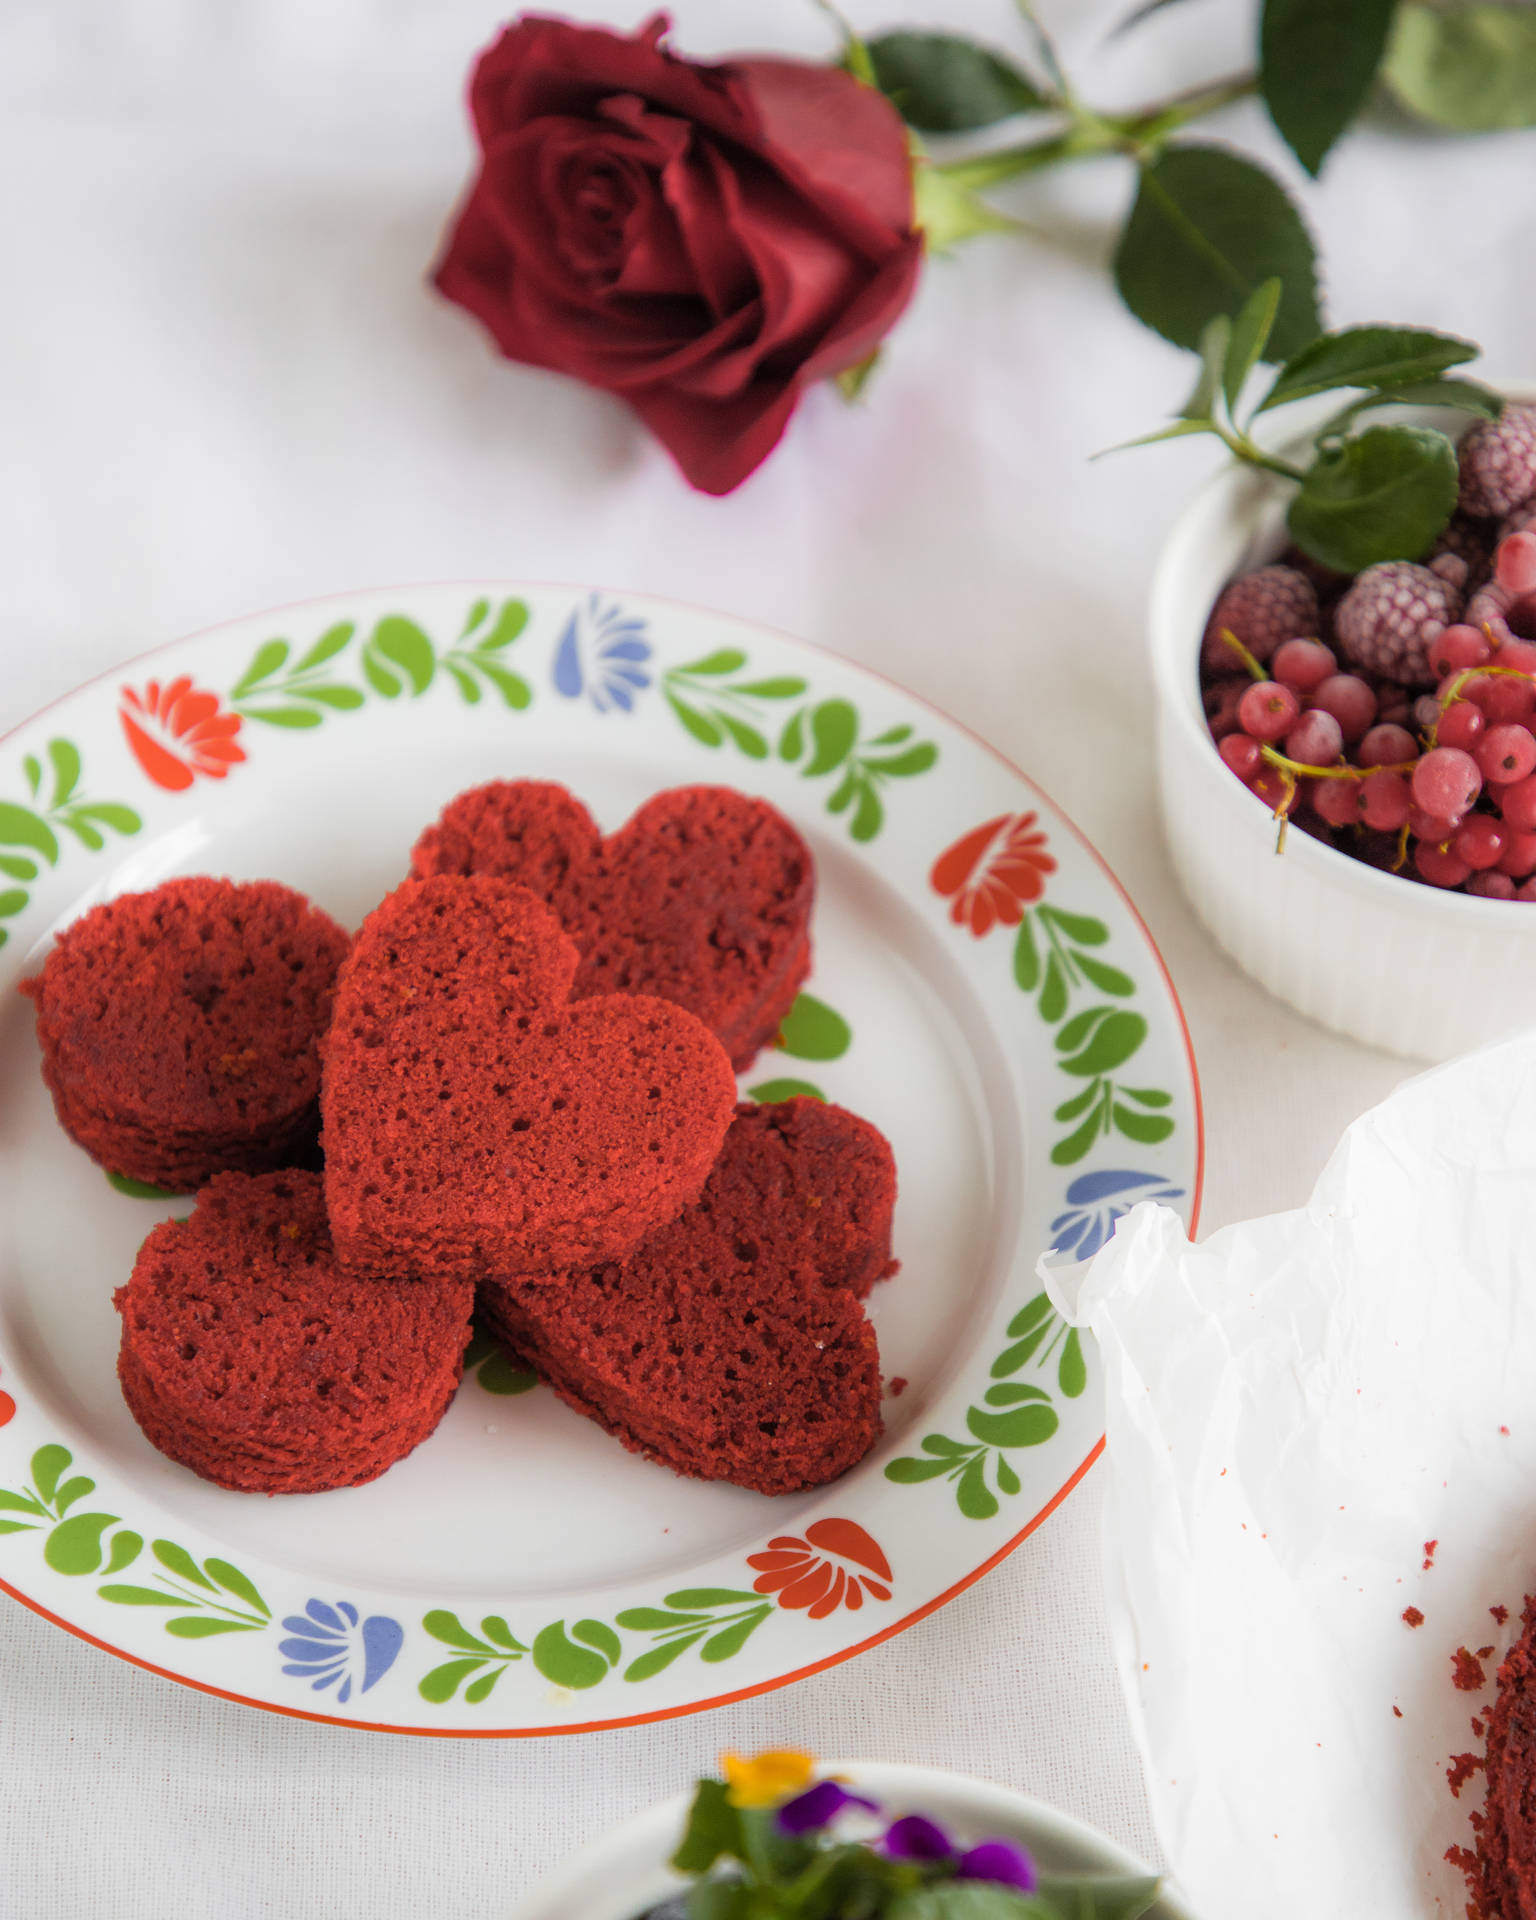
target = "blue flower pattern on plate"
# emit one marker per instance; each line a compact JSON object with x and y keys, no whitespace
{"x":1095,"y":1201}
{"x":333,"y":1644}
{"x":602,"y":652}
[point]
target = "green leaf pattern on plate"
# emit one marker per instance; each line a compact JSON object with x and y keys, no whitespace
{"x":717,"y":700}
{"x":30,"y":834}
{"x":396,"y":660}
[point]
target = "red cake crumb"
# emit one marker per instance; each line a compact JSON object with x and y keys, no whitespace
{"x":1501,"y":1872}
{"x":898,"y":1387}
{"x":180,"y":1028}
{"x":1429,"y":1554}
{"x":475,"y":1124}
{"x":732,"y":1346}
{"x":703,"y":898}
{"x":1467,"y":1671}
{"x":1462,"y":1768}
{"x":1413,"y":1616}
{"x":1501,"y":1614}
{"x":249,"y":1358}
{"x":1398,"y":1712}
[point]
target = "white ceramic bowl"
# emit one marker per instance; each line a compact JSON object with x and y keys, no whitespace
{"x":624,"y":1872}
{"x":1397,"y":965}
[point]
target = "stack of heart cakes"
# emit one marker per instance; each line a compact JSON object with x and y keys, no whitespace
{"x":515,"y":1089}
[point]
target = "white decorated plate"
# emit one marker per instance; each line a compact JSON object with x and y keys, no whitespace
{"x":983,"y":991}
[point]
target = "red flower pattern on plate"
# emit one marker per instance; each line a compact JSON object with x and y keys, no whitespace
{"x":177,"y":731}
{"x":7,"y":1409}
{"x":994,"y":872}
{"x":812,"y":1573}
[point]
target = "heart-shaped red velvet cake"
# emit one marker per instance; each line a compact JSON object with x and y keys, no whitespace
{"x":475,"y":1124}
{"x":703,"y":898}
{"x":733,"y":1345}
{"x":247,"y":1357}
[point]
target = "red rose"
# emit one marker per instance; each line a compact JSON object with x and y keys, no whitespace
{"x":703,"y":241}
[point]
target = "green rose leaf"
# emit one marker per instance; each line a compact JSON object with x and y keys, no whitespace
{"x":812,"y":1031}
{"x":559,"y":1658}
{"x":940,"y":83}
{"x":1472,"y":69}
{"x":1028,"y":1426}
{"x":1317,"y":59}
{"x":1249,"y":337}
{"x":1214,"y":343}
{"x":403,"y":644}
{"x":1383,"y":495}
{"x":1375,"y":357}
{"x":1207,"y":230}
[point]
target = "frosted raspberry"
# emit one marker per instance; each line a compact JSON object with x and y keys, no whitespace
{"x":1263,"y":609}
{"x":1498,"y":463}
{"x":1388,"y":618}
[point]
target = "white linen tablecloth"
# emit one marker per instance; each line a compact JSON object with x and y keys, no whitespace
{"x":224,"y":386}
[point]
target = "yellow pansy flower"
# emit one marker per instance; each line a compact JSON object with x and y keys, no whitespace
{"x":767,"y":1778}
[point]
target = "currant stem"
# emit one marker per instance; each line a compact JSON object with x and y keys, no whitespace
{"x":1298,"y":769}
{"x":1243,"y":654}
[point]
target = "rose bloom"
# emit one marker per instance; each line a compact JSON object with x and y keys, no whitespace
{"x":703,"y":241}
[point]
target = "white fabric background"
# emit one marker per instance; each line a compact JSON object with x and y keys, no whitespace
{"x":224,"y":386}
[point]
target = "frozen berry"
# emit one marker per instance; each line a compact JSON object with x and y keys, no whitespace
{"x":1385,"y":800}
{"x":1440,"y":866}
{"x":1221,"y":702}
{"x":1424,"y":825}
{"x":1349,"y":700}
{"x":1498,"y":463}
{"x":1394,"y":611}
{"x":1458,"y":646}
{"x":1268,"y":711}
{"x":1272,"y":787}
{"x":1262,"y":609}
{"x":1502,"y":614}
{"x":1242,"y":753}
{"x":1389,"y":746}
{"x":1479,"y":840}
{"x":1446,"y":782}
{"x":1338,"y":801}
{"x":1426,"y":711}
{"x":1460,"y":725}
{"x":1519,"y":855}
{"x":1316,"y":740}
{"x":1517,"y":803}
{"x":1517,"y":655}
{"x":1504,"y":754}
{"x":1527,"y":891}
{"x":1506,"y":697}
{"x":1492,"y":886}
{"x":1515,"y":563}
{"x":1302,"y":665}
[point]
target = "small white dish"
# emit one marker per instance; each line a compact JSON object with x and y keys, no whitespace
{"x":619,"y":1875}
{"x":1404,"y":967}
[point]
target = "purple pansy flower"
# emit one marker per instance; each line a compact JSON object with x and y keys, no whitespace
{"x":915,"y":1837}
{"x":1000,"y":1861}
{"x":818,"y":1806}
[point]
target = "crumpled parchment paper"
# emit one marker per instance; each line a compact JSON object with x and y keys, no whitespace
{"x":1295,"y":1409}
